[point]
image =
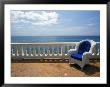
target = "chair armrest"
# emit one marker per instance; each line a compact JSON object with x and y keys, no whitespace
{"x":87,"y":55}
{"x":71,"y":51}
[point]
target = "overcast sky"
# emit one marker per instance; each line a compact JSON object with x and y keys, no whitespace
{"x":55,"y":23}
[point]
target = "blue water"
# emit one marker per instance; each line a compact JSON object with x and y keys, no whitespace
{"x":36,"y":39}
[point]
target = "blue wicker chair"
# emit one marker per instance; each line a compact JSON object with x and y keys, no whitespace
{"x":82,"y":53}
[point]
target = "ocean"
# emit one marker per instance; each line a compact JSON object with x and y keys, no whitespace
{"x":44,"y":39}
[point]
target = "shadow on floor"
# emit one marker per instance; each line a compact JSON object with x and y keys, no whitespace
{"x":88,"y":69}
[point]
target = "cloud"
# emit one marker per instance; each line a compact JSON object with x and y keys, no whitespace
{"x":90,"y":24}
{"x":34,"y":17}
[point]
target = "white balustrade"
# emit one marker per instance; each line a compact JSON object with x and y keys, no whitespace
{"x":45,"y":50}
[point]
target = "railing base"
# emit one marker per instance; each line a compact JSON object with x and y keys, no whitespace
{"x":40,"y":61}
{"x":48,"y":60}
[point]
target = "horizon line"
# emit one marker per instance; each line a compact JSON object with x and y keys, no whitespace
{"x":61,"y":35}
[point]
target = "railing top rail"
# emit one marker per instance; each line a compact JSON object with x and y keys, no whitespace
{"x":49,"y":43}
{"x":52,"y":43}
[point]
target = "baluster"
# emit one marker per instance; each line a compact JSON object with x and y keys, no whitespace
{"x":39,"y":51}
{"x":67,"y":49}
{"x":12,"y":54}
{"x":76,"y":46}
{"x":34,"y":51}
{"x":43,"y":51}
{"x":55,"y":50}
{"x":19,"y":50}
{"x":98,"y":48}
{"x":93,"y":51}
{"x":58,"y":51}
{"x":48,"y":51}
{"x":22,"y":52}
{"x":63,"y":51}
{"x":17,"y":54}
{"x":29,"y":50}
{"x":14,"y":49}
{"x":25,"y":51}
{"x":52,"y":50}
{"x":98,"y":52}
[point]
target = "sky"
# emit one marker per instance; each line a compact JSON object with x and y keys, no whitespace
{"x":55,"y":23}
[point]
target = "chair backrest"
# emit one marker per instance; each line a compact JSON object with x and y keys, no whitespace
{"x":84,"y":46}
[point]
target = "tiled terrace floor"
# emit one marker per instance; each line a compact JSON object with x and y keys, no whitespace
{"x":58,"y":68}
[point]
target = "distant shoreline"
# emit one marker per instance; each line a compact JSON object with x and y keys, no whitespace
{"x":54,"y":36}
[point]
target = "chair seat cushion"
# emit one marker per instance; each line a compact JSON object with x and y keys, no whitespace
{"x":77,"y":56}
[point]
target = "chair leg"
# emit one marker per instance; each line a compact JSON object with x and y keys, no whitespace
{"x":81,"y":68}
{"x":69,"y":61}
